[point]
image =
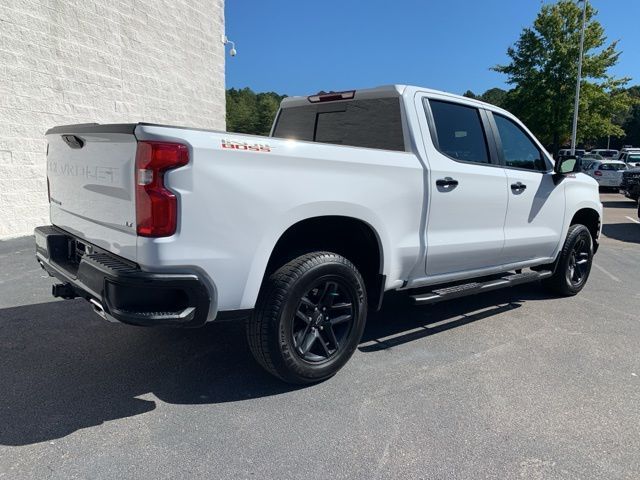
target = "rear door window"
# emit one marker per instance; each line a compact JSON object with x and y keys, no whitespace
{"x":459,"y":132}
{"x":370,"y":123}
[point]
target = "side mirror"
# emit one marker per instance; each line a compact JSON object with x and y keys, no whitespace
{"x":567,"y":165}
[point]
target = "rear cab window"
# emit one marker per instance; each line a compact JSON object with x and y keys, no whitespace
{"x":458,"y":131}
{"x":368,"y":123}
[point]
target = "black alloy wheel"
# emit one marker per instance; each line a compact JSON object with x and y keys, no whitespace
{"x":579,"y":265}
{"x":573,"y":265}
{"x":323,"y":320}
{"x":309,"y":318}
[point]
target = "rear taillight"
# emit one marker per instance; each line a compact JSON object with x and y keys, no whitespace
{"x":156,"y":205}
{"x":597,"y":173}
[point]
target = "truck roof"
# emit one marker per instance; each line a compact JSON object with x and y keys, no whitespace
{"x":385,"y":91}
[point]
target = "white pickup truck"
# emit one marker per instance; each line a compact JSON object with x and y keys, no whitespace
{"x":300,"y":233}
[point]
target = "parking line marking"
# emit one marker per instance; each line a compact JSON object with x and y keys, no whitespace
{"x":632,"y":219}
{"x":611,"y":276}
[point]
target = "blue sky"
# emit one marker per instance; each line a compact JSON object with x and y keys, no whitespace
{"x":299,"y":47}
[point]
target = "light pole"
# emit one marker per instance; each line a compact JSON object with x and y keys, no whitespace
{"x":574,"y":131}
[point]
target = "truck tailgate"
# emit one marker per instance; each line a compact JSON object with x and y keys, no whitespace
{"x":91,"y":175}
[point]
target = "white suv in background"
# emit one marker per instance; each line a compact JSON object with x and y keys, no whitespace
{"x":631,"y":157}
{"x":606,"y":153}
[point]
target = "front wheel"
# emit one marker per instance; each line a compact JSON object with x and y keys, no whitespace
{"x":574,"y":263}
{"x":309,"y":318}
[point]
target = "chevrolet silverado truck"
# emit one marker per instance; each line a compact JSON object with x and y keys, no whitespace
{"x":302,"y":232}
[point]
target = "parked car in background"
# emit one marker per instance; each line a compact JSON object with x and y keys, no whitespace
{"x":608,"y":173}
{"x":630,"y":185}
{"x":588,"y":158}
{"x":632,"y":159}
{"x":624,"y":150}
{"x":566,"y":152}
{"x":606,"y":153}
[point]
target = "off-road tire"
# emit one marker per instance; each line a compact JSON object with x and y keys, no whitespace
{"x":561,"y":282}
{"x":271,"y":328}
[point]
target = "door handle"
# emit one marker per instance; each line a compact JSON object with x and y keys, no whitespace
{"x":518,"y":186}
{"x":446,"y":182}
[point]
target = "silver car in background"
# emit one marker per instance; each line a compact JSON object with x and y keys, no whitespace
{"x":608,"y":173}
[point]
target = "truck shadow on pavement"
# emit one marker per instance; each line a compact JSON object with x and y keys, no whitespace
{"x":624,"y":232}
{"x":422,"y":321}
{"x":630,"y":204}
{"x":64,"y":369}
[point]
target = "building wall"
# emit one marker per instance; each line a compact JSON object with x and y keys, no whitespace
{"x":77,"y":61}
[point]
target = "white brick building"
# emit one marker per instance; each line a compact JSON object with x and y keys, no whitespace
{"x":77,"y":61}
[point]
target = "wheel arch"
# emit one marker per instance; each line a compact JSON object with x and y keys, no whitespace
{"x":590,"y":218}
{"x":353,"y":238}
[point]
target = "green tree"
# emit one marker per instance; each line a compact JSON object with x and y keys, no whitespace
{"x":631,"y":121}
{"x":248,"y":112}
{"x":494,"y":96}
{"x":543,"y":70}
{"x":267,"y":105}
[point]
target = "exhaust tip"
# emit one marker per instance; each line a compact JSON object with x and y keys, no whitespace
{"x":98,"y":308}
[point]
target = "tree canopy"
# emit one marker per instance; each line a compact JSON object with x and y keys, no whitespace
{"x":631,"y":120}
{"x":543,"y":70}
{"x":248,"y":112}
{"x":494,"y":96}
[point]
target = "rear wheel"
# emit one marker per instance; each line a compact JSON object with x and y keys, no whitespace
{"x":309,"y":318}
{"x":574,"y":263}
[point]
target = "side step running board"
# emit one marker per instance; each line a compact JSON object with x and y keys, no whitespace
{"x":472,"y":288}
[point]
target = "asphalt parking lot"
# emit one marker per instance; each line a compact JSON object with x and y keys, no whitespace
{"x":512,"y":384}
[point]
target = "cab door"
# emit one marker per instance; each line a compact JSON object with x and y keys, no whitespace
{"x":536,"y":207}
{"x":467,"y":189}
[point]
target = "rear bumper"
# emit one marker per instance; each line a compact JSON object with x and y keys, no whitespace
{"x":117,"y":288}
